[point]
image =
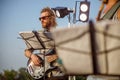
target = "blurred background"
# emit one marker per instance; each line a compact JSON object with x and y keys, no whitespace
{"x":22,"y":15}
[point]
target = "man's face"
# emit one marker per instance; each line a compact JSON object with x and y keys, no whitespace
{"x":45,"y":20}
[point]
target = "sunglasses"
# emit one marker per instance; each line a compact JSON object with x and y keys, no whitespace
{"x":44,"y":17}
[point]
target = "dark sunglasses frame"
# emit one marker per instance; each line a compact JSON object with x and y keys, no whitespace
{"x":44,"y":17}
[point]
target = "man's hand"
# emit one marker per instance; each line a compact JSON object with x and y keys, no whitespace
{"x":36,"y":60}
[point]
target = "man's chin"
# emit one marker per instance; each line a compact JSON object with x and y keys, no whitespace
{"x":43,"y":26}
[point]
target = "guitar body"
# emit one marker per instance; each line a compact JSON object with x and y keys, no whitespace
{"x":38,"y":72}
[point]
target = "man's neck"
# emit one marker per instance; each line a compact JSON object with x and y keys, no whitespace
{"x":47,"y":29}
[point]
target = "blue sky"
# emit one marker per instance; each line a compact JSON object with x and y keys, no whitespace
{"x":22,"y":15}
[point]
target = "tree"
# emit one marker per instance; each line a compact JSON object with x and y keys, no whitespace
{"x":23,"y":74}
{"x":10,"y":74}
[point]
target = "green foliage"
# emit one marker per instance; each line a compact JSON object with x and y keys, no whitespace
{"x":10,"y":75}
{"x":21,"y":74}
{"x":80,"y":78}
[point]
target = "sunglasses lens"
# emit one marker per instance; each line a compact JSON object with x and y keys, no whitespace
{"x":43,"y":18}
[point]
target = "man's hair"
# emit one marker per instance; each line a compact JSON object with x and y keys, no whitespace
{"x":52,"y":16}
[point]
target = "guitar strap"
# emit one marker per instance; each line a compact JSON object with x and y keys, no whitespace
{"x":112,"y":11}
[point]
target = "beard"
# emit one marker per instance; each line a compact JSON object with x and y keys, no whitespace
{"x":46,"y":25}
